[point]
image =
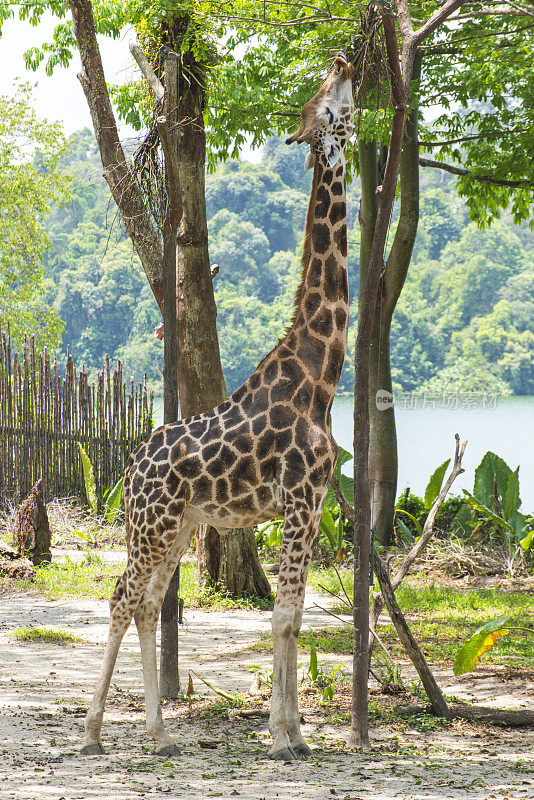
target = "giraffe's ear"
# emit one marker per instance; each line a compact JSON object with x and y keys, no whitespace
{"x":310,"y":161}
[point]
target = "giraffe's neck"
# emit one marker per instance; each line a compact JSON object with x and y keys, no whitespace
{"x":318,"y":334}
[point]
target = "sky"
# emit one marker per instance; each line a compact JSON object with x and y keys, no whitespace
{"x":60,"y":97}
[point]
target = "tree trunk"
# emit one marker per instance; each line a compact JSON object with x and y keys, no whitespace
{"x":359,"y":734}
{"x":383,"y":463}
{"x":201,"y":383}
{"x":382,"y":433}
{"x":237,"y":549}
{"x":169,"y":676}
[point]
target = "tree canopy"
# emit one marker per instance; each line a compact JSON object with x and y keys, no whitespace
{"x":32,"y":179}
{"x":464,"y":320}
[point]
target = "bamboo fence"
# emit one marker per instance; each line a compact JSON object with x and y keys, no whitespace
{"x":44,"y":415}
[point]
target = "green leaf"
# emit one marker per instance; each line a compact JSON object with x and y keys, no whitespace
{"x":89,"y":480}
{"x":481,"y":641}
{"x":346,"y":484}
{"x":502,"y":523}
{"x":528,"y":541}
{"x":328,"y":693}
{"x":491,"y":468}
{"x":328,"y":527}
{"x":511,"y":501}
{"x":113,"y":501}
{"x":413,"y":519}
{"x":464,"y":520}
{"x":434,"y":484}
{"x":404,"y":531}
{"x":342,"y":458}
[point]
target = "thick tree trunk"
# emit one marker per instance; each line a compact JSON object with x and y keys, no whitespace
{"x":382,"y":433}
{"x":359,"y":734}
{"x":234,"y":562}
{"x":235,"y":549}
{"x":169,"y":676}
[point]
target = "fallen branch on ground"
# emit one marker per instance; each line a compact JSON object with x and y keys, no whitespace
{"x":521,"y":718}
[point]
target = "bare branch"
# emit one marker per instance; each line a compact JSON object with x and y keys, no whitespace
{"x":427,"y":162}
{"x":147,"y":70}
{"x":489,"y":135}
{"x":520,"y":8}
{"x":437,"y":701}
{"x":428,"y":528}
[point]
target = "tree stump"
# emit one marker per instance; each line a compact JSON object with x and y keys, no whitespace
{"x":230,"y":561}
{"x":32,"y":529}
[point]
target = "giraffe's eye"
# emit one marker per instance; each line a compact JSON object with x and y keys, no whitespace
{"x":329,"y":115}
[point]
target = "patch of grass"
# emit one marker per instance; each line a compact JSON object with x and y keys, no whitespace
{"x":328,"y":640}
{"x":441,"y":618}
{"x":46,"y":635}
{"x":92,"y":577}
{"x":196,"y":596}
{"x":95,"y":578}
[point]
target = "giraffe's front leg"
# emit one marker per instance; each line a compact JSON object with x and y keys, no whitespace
{"x":297,"y":742}
{"x":284,"y":722}
{"x":282,"y":623}
{"x":301,"y":533}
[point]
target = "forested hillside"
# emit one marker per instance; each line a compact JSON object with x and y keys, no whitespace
{"x":465,"y":320}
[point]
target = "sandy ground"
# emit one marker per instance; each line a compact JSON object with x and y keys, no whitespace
{"x":45,"y":690}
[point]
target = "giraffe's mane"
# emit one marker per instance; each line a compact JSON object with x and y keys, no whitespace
{"x":305,"y":261}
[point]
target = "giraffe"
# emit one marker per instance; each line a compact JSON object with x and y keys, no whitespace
{"x":266,"y":451}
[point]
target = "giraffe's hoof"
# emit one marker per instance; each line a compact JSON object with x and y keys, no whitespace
{"x":285,"y":754}
{"x":169,"y":750}
{"x":93,"y":750}
{"x":301,"y":750}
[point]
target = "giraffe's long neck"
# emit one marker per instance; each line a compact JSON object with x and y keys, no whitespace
{"x":318,"y":334}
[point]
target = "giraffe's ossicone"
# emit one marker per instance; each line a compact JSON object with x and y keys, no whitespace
{"x":267,"y":451}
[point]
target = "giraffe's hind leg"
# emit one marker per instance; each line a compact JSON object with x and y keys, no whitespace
{"x":124,"y":601}
{"x":146,"y":620}
{"x":122,"y":604}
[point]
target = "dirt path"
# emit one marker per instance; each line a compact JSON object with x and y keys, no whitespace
{"x":45,"y":690}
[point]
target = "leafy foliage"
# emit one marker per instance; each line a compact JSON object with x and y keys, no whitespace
{"x":96,"y":285}
{"x":31,"y":180}
{"x":89,"y":481}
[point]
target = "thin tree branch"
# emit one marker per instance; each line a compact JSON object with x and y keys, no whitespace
{"x":435,"y":695}
{"x":475,"y":136}
{"x":427,"y":162}
{"x":428,"y":528}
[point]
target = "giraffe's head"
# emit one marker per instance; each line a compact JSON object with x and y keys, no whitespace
{"x":327,"y":118}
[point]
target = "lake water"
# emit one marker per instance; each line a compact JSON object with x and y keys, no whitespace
{"x":425,"y":434}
